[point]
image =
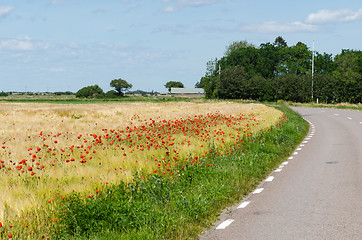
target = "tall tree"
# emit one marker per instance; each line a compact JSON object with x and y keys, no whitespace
{"x":280,"y":42}
{"x":296,"y":59}
{"x":269,"y":57}
{"x":232,"y":83}
{"x":173,"y":84}
{"x":236,"y":45}
{"x":349,"y":73}
{"x":323,"y":63}
{"x":120,"y":86}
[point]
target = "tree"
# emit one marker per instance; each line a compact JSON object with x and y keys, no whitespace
{"x":349,"y":73}
{"x":323,"y":63}
{"x":232,"y":83}
{"x":3,"y":94}
{"x":234,"y":46}
{"x":173,"y":84}
{"x":120,"y":86}
{"x":90,"y":91}
{"x":280,"y":42}
{"x":295,"y":59}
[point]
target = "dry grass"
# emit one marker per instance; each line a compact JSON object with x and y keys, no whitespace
{"x":26,"y":127}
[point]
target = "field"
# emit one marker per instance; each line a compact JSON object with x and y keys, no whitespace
{"x":49,"y":151}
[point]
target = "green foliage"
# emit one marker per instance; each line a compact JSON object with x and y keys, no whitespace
{"x":120,"y":86}
{"x":3,"y":94}
{"x":236,"y":45}
{"x":90,"y":92}
{"x":63,"y":93}
{"x":281,"y":72}
{"x":280,"y":42}
{"x":232,"y":82}
{"x":111,"y":94}
{"x":173,"y":84}
{"x":180,"y":207}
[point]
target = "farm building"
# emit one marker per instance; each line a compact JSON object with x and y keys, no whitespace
{"x":188,"y":92}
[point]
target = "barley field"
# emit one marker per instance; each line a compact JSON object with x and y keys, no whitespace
{"x":50,"y":150}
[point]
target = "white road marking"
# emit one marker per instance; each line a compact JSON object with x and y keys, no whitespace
{"x":336,"y":114}
{"x":295,"y":153}
{"x":301,"y":145}
{"x":305,"y":142}
{"x":278,"y":170}
{"x":225,"y":224}
{"x":244,"y":204}
{"x":258,"y":190}
{"x":307,"y":138}
{"x":298,"y":149}
{"x":360,"y":122}
{"x":285,"y":163}
{"x":290,"y":158}
{"x":269,"y":179}
{"x":349,"y":118}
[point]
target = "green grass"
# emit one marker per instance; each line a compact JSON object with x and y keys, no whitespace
{"x":182,"y":206}
{"x":73,"y":100}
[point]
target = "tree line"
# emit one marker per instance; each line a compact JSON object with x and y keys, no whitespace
{"x":276,"y":71}
{"x":120,"y":86}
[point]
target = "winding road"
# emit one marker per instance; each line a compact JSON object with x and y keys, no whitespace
{"x":315,"y":194}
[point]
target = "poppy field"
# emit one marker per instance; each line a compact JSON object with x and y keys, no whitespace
{"x":51,"y":151}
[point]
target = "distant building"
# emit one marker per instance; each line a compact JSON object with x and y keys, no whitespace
{"x":188,"y":92}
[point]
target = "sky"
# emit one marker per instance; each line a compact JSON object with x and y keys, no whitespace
{"x":65,"y":45}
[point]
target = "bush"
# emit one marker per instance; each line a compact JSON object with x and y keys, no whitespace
{"x":89,"y":92}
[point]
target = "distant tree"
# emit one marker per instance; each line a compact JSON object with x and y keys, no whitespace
{"x":120,"y":86}
{"x":269,"y":57}
{"x":236,"y":45}
{"x":111,"y":94}
{"x":280,"y":42}
{"x":90,"y":91}
{"x":348,"y":72}
{"x":63,"y":93}
{"x":323,"y":63}
{"x":295,"y":59}
{"x":232,"y":83}
{"x":173,"y":84}
{"x":3,"y":94}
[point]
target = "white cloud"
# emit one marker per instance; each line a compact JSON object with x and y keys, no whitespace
{"x":58,"y":1}
{"x":57,"y":69}
{"x":179,"y":4}
{"x":197,"y":3}
{"x":22,"y":44}
{"x":333,"y":16}
{"x":4,"y":10}
{"x":169,"y":9}
{"x":275,"y":27}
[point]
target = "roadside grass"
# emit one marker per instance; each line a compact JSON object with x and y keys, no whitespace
{"x":180,"y":207}
{"x":349,"y":106}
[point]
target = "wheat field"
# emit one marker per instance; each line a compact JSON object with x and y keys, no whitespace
{"x":50,"y":150}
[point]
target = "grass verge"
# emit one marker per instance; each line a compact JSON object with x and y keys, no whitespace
{"x":349,"y":106}
{"x":182,"y":206}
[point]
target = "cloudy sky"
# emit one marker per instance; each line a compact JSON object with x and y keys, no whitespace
{"x":64,"y":45}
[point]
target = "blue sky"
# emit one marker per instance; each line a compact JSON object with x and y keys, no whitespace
{"x":64,"y":45}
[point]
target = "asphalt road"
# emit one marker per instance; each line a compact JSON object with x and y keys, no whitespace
{"x":315,"y":194}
